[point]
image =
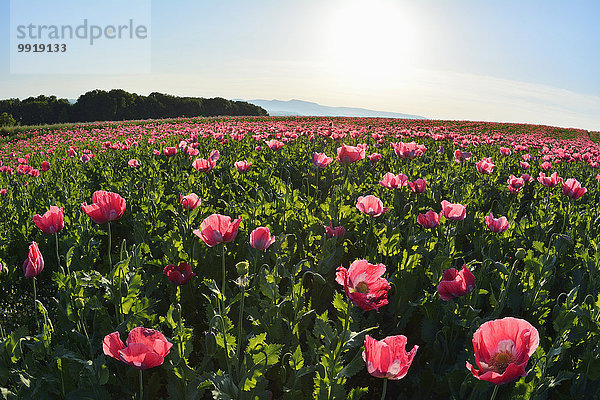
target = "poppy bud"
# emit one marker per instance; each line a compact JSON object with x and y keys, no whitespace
{"x":210,"y":342}
{"x":521,"y":253}
{"x":177,"y":312}
{"x":79,"y":303}
{"x":242,"y":268}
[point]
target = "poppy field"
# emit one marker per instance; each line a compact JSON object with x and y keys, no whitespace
{"x":300,"y":258}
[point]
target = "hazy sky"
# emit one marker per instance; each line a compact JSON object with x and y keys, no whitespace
{"x":517,"y":61}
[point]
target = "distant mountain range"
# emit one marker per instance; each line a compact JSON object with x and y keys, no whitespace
{"x":307,"y":108}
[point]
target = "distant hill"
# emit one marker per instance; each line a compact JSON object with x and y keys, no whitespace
{"x":307,"y":108}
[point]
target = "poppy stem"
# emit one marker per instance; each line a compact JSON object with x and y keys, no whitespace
{"x":58,"y":255}
{"x":338,"y":349}
{"x":384,"y":390}
{"x":240,"y":328}
{"x":317,"y":189}
{"x":141,"y":386}
{"x":495,"y":392}
{"x":504,"y":294}
{"x":222,"y":310}
{"x":119,"y":310}
{"x":109,"y":246}
{"x":35,"y":310}
{"x":187,"y":232}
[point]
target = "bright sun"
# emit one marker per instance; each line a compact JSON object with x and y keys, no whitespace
{"x":371,"y":42}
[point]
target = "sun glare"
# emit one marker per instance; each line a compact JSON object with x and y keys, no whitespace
{"x":371,"y":42}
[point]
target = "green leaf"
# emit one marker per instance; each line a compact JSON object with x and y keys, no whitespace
{"x":339,"y":304}
{"x":323,"y":330}
{"x":297,"y":360}
{"x":353,"y":367}
{"x":268,"y":355}
{"x":357,"y":393}
{"x":357,"y":338}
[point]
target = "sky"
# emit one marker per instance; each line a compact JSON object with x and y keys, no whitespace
{"x":508,"y":61}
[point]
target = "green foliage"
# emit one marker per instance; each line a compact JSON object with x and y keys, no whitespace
{"x":283,"y":326}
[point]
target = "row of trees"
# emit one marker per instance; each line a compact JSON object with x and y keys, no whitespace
{"x":118,"y":105}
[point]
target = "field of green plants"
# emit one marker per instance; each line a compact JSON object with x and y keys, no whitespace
{"x":300,"y":258}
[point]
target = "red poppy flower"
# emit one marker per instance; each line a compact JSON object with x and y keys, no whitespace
{"x":179,"y":274}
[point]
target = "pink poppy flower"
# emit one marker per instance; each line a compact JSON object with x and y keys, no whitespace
{"x":217,"y":228}
{"x":350,"y":154}
{"x":429,"y":220}
{"x":146,"y":348}
{"x":170,"y":151}
{"x":51,"y":222}
{"x":190,"y":202}
{"x":515,"y":184}
{"x":374,"y":157}
{"x":106,"y":206}
{"x":456,"y":284}
{"x":388,"y":358}
{"x":243,"y":166}
{"x":392,"y":181}
{"x":548,"y":181}
{"x":496,"y":225}
{"x":572,"y":188}
{"x":203,"y":164}
{"x":453,"y":212}
{"x":133,"y":163}
{"x":462,"y":156}
{"x":321,"y":160}
{"x":364,"y":285}
{"x":502,"y":349}
{"x":274,"y":144}
{"x":408,"y":150}
{"x":34,"y":264}
{"x":371,"y":205}
{"x":261,"y":238}
{"x":485,"y":166}
{"x":418,"y":186}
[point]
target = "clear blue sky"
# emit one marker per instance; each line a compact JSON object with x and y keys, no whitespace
{"x":521,"y":61}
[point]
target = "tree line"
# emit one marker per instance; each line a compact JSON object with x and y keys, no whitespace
{"x":118,"y":105}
